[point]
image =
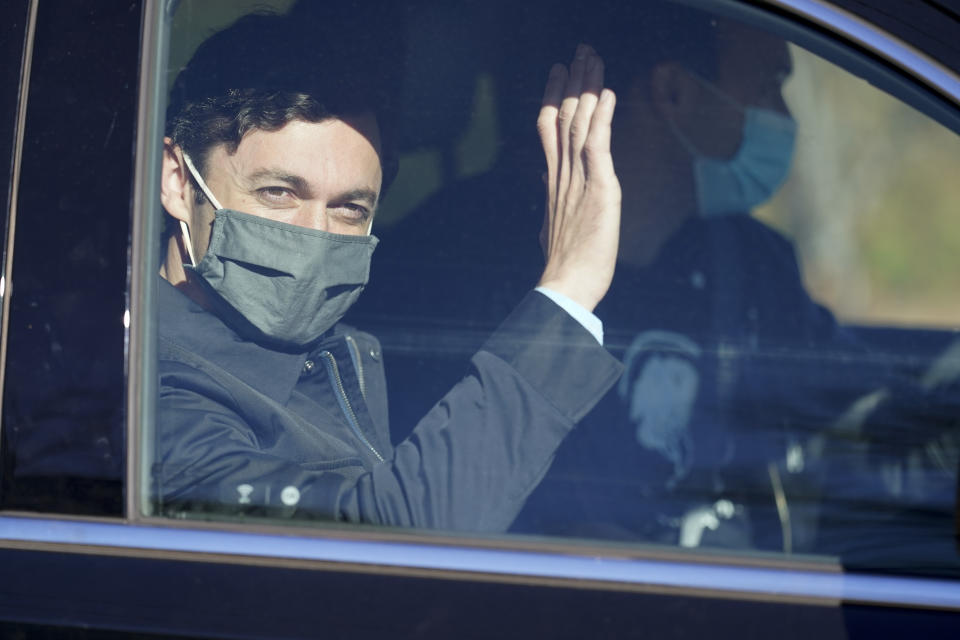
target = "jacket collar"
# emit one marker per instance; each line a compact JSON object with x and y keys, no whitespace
{"x":187,"y":325}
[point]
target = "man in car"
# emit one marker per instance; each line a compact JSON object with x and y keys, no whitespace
{"x":276,"y":154}
{"x":719,"y":337}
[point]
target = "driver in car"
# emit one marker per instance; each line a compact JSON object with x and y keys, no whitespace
{"x":724,"y":349}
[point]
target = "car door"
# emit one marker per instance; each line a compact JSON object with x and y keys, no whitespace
{"x":779,"y":457}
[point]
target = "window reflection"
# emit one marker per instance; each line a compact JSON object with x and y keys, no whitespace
{"x":748,"y":415}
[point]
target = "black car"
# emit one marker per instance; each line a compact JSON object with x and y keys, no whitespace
{"x":780,"y":456}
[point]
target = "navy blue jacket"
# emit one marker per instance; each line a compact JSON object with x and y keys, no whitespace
{"x":242,"y":428}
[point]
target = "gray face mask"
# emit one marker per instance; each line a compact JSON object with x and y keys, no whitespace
{"x":290,"y":283}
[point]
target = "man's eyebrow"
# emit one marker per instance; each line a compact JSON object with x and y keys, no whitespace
{"x":303,"y":187}
{"x":365,"y":195}
{"x":295,"y":181}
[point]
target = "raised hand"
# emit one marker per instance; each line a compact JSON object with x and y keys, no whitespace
{"x":581,"y":227}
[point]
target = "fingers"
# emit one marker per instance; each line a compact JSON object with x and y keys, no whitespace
{"x":582,"y":218}
{"x":547,"y":122}
{"x":571,"y":98}
{"x":547,"y":128}
{"x":596,"y":148}
{"x":564,"y":123}
{"x":589,"y":96}
{"x":570,"y":168}
{"x":574,"y":127}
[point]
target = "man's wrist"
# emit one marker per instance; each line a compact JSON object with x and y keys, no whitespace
{"x":577,"y":311}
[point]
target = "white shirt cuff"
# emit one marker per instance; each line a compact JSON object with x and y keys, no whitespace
{"x":589,"y":321}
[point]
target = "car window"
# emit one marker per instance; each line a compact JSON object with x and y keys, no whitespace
{"x":63,"y":396}
{"x":867,"y":261}
{"x":780,"y":307}
{"x":15,"y":45}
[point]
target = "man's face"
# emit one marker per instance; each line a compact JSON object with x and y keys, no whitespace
{"x":752,"y":67}
{"x":320,"y":175}
{"x":656,"y":169}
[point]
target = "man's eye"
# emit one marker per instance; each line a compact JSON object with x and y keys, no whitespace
{"x":352,"y":212}
{"x":275,"y":195}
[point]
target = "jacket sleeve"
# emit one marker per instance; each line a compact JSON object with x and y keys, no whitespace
{"x":468,"y":465}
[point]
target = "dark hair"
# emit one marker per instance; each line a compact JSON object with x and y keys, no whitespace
{"x":266,"y":70}
{"x":662,"y":32}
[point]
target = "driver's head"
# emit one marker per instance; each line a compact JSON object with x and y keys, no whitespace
{"x":701,"y":125}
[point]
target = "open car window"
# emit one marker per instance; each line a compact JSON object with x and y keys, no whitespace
{"x":778,"y":375}
{"x":781,"y":305}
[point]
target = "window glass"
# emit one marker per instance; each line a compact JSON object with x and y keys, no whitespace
{"x":64,"y":384}
{"x":779,"y":305}
{"x":866,"y":255}
{"x":15,"y":19}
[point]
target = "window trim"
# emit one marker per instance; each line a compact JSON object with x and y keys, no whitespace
{"x":882,"y":44}
{"x":141,"y":336}
{"x":6,"y":276}
{"x":654,"y":573}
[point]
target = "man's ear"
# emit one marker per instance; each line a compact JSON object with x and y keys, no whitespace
{"x":176,"y":192}
{"x":673,"y":90}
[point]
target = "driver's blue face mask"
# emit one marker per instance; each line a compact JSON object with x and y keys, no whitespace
{"x":755,"y":172}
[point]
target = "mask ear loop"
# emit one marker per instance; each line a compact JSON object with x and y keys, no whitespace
{"x":682,"y":138}
{"x":717,"y":91}
{"x":209,"y":194}
{"x":203,"y":185}
{"x":186,"y":240}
